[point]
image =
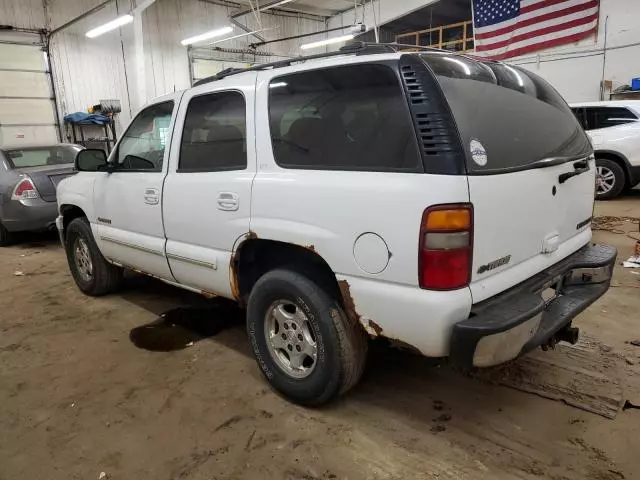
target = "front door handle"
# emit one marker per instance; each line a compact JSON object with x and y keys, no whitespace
{"x":228,"y":201}
{"x":151,"y":196}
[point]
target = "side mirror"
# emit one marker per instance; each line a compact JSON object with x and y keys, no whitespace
{"x":91,"y":160}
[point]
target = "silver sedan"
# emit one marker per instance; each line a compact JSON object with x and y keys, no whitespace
{"x":28,"y":180}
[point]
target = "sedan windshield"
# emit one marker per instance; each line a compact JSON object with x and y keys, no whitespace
{"x":41,"y":156}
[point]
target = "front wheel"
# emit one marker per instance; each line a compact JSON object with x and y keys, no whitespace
{"x":306,"y":346}
{"x":610,"y":179}
{"x":91,"y":272}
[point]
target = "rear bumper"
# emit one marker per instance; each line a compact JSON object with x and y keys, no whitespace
{"x":29,"y":215}
{"x":519,"y":320}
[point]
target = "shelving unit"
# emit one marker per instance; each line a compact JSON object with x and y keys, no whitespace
{"x":85,"y":134}
{"x":456,"y":37}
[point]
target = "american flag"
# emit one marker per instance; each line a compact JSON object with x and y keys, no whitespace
{"x":508,"y":28}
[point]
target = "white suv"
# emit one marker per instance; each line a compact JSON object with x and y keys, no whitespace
{"x":431,"y":199}
{"x":614,"y":128}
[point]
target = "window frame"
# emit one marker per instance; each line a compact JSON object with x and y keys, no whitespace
{"x":246,"y":139}
{"x":393,"y":66}
{"x":116,"y":152}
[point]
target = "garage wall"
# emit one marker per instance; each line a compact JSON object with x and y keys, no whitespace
{"x":22,"y":13}
{"x":576,"y":71}
{"x":88,"y":70}
{"x":169,"y":21}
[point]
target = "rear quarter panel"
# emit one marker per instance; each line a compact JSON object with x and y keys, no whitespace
{"x":329,"y":211}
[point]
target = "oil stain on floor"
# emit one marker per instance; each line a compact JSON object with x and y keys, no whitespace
{"x":181,"y":327}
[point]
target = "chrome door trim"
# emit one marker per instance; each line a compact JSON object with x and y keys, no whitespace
{"x":199,"y":263}
{"x":132,"y":245}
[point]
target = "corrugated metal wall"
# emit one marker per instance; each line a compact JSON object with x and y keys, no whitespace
{"x":88,"y":70}
{"x":22,"y":13}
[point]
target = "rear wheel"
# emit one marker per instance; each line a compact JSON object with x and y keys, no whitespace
{"x":92,"y":273}
{"x":5,"y":236}
{"x":610,"y":179}
{"x":304,"y":343}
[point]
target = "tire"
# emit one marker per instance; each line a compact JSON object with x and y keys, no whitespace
{"x":5,"y":236}
{"x":104,"y":278}
{"x":609,"y":171}
{"x":340,"y":343}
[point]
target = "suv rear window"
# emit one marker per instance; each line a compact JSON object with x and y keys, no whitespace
{"x":604,"y":117}
{"x":517,"y":117}
{"x":351,"y":117}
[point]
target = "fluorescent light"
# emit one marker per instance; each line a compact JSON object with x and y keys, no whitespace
{"x":329,"y":41}
{"x":275,"y":5}
{"x":206,"y":36}
{"x":278,"y":84}
{"x":107,"y":27}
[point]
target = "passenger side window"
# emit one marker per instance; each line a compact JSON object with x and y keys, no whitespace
{"x":343,"y":118}
{"x":215,"y":134}
{"x":142,"y":146}
{"x":604,"y":117}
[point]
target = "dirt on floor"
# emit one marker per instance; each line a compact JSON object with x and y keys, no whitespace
{"x":111,"y":388}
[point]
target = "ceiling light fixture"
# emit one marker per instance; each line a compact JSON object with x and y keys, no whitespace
{"x":278,"y":4}
{"x":206,"y":36}
{"x":328,"y":41}
{"x":107,"y":27}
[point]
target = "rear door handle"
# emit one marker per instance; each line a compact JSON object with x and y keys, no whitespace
{"x":228,"y":201}
{"x":151,"y":196}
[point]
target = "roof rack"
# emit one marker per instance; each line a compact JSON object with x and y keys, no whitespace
{"x":358,"y":48}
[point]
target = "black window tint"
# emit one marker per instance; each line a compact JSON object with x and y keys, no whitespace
{"x":343,"y":118}
{"x":214,"y":135}
{"x":517,"y":117}
{"x":142,"y":146}
{"x":604,"y":117}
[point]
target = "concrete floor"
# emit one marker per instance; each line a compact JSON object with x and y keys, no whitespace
{"x":82,"y":392}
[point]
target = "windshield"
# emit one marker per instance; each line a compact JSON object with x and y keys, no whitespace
{"x":41,"y":156}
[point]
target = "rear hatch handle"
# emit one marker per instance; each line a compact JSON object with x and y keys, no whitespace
{"x":580,"y":167}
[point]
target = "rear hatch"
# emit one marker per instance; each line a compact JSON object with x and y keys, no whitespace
{"x":530,"y":169}
{"x":47,"y":177}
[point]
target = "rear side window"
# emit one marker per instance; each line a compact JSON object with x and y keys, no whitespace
{"x":508,"y":116}
{"x":605,"y":117}
{"x":41,"y":156}
{"x":343,"y":118}
{"x":214,"y":136}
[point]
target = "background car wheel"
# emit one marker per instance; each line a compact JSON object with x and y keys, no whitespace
{"x":5,"y":236}
{"x":610,"y":179}
{"x":92,"y":273}
{"x":304,"y":343}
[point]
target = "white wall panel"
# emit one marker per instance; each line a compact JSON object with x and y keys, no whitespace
{"x":22,"y":13}
{"x":88,"y":70}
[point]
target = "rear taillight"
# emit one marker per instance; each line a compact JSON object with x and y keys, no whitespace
{"x":446,"y":247}
{"x":24,"y":190}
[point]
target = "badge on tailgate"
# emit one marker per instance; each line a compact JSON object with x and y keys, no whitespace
{"x":495,"y":264}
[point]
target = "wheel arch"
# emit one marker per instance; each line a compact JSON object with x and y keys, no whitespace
{"x":253,"y":257}
{"x":620,"y":159}
{"x":69,"y":213}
